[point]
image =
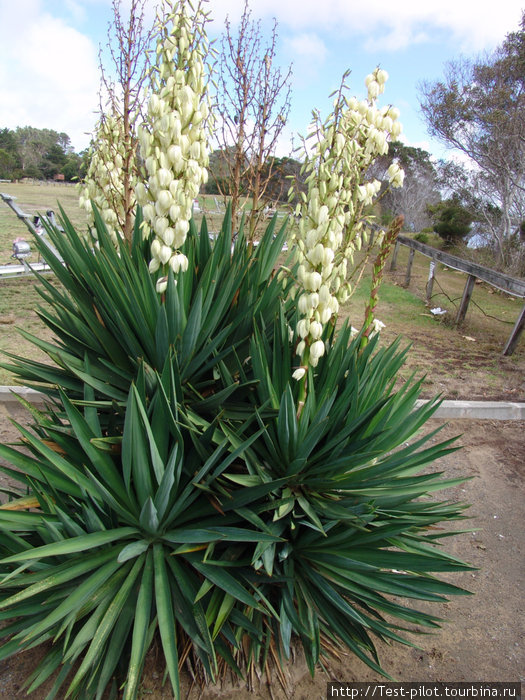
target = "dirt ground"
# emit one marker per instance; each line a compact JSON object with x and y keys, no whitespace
{"x":484,"y":636}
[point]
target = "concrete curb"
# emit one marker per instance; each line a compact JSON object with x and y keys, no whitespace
{"x":479,"y":410}
{"x":8,"y":394}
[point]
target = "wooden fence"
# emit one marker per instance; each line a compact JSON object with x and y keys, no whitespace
{"x":510,"y":285}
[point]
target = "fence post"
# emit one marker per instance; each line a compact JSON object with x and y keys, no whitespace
{"x":467,"y":293}
{"x":430,"y":282}
{"x":409,"y":266}
{"x":393,"y":263}
{"x":515,"y":335}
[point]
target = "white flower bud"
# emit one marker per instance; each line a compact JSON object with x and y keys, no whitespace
{"x":376,"y":326}
{"x":151,"y":165}
{"x":381,"y":76}
{"x":303,"y":303}
{"x":154,"y":265}
{"x":314,"y":281}
{"x":396,"y":130}
{"x":164,"y":254}
{"x":316,"y":330}
{"x":394,"y":113}
{"x":326,"y":315}
{"x":316,"y":255}
{"x":324,"y":295}
{"x":303,"y":328}
{"x":164,"y":202}
{"x":373,"y":90}
{"x":299,"y":373}
{"x":140,"y":193}
{"x":149,"y":212}
{"x":182,"y":227}
{"x":317,"y":349}
{"x":161,"y":285}
{"x":323,"y":214}
{"x":165,"y":177}
{"x":174,"y":212}
{"x":328,"y":256}
{"x":160,"y":225}
{"x":168,"y":236}
{"x":179,"y":262}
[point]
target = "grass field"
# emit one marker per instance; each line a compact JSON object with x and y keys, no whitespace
{"x":463,"y":363}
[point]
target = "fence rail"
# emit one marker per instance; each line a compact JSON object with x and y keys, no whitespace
{"x":505,"y":283}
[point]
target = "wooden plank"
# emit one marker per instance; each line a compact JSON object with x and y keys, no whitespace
{"x":467,"y":293}
{"x":515,"y":335}
{"x":506,"y":283}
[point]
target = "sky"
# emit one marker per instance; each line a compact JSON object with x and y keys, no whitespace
{"x":49,"y":75}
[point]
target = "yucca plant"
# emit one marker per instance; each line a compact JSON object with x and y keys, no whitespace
{"x":187,"y":485}
{"x":179,"y":487}
{"x":108,"y":320}
{"x":351,"y":506}
{"x":115,"y":550}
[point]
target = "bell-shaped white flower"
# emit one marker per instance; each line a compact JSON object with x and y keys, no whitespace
{"x":303,"y":326}
{"x":317,"y":349}
{"x":299,"y":373}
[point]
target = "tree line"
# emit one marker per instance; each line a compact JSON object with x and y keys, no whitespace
{"x":41,"y":154}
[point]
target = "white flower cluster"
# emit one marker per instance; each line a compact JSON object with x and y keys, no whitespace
{"x":333,"y":211}
{"x":104,"y":184}
{"x":174,"y":142}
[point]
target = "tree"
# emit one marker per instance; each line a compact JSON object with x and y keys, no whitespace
{"x":279,"y":172}
{"x":33,"y":144}
{"x":253,"y":102}
{"x":479,"y":109}
{"x":420,"y":186}
{"x":451,"y":220}
{"x":72,"y":166}
{"x":53,"y":161}
{"x":9,"y":156}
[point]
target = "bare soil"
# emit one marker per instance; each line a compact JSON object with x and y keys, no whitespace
{"x":484,"y":636}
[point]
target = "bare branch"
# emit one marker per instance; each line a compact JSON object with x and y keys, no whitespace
{"x":253,"y":102}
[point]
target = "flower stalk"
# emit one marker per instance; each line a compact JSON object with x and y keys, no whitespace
{"x":336,"y":212}
{"x":113,"y":164}
{"x":173,"y":141}
{"x":371,"y":324}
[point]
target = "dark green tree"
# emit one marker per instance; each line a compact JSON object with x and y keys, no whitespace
{"x":53,"y":161}
{"x":9,"y":156}
{"x":451,"y":221}
{"x":72,"y":167}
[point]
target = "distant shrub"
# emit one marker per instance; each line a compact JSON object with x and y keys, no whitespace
{"x":451,"y":221}
{"x":421,"y":237}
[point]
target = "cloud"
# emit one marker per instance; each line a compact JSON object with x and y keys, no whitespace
{"x":390,"y":24}
{"x":308,"y":46}
{"x":49,"y":72}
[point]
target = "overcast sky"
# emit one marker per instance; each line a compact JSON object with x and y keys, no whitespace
{"x":49,"y":53}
